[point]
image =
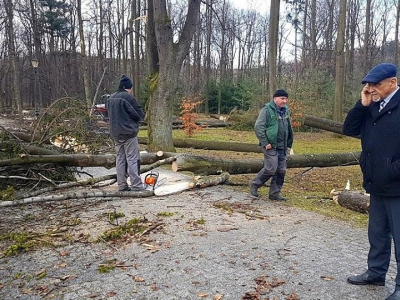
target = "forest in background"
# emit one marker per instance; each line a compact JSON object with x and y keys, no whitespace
{"x":83,"y":47}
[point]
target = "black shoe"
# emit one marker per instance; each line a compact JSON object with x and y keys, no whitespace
{"x":137,"y":189}
{"x":394,"y":296}
{"x":253,"y":190}
{"x":277,"y":198}
{"x":364,"y":279}
{"x":124,"y":189}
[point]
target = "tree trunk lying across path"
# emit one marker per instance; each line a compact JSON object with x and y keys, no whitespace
{"x":211,"y":145}
{"x":198,"y":182}
{"x":354,"y":200}
{"x":210,"y":165}
{"x":79,"y":160}
{"x":193,"y":163}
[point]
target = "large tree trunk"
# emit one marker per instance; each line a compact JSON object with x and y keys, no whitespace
{"x":325,"y":124}
{"x":211,"y":145}
{"x":208,"y":165}
{"x":80,"y":160}
{"x":85,"y":71}
{"x":273,"y":44}
{"x":9,"y":8}
{"x":340,"y":67}
{"x":163,"y":85}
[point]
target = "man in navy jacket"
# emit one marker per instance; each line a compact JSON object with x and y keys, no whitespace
{"x":125,"y":114}
{"x":376,"y":119}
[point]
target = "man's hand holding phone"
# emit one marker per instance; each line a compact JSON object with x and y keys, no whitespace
{"x":367,"y":97}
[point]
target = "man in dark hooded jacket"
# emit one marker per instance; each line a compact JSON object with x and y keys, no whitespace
{"x":124,"y":114}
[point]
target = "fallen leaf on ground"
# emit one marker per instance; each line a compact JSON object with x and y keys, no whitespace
{"x":218,"y":297}
{"x":138,"y":279}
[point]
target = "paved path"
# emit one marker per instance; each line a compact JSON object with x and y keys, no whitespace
{"x":294,"y":254}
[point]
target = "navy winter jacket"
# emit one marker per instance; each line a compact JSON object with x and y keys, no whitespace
{"x":380,"y":141}
{"x":124,"y":115}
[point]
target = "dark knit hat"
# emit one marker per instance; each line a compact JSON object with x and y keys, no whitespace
{"x":380,"y":72}
{"x":125,"y":82}
{"x":281,"y":93}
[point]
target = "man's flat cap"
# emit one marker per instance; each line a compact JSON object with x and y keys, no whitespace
{"x":380,"y":72}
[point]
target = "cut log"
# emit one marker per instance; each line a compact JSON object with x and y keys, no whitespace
{"x":209,"y":165}
{"x":189,"y":183}
{"x":354,"y":200}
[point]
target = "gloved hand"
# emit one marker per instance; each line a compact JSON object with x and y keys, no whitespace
{"x":289,"y":151}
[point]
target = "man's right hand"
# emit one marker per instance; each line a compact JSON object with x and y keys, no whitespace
{"x":367,"y":97}
{"x":268,"y":146}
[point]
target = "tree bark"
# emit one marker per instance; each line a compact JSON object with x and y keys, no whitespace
{"x":209,"y":166}
{"x":353,"y":200}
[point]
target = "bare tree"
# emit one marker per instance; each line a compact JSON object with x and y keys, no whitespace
{"x":273,"y":45}
{"x":366,"y":58}
{"x":340,"y":61}
{"x":396,"y":35}
{"x":83,"y":55}
{"x":8,"y":5}
{"x":164,"y":84}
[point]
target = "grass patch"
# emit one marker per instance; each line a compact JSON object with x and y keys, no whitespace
{"x":20,"y":242}
{"x":165,"y":214}
{"x":132,"y":227}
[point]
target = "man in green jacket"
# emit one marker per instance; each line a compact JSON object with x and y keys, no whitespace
{"x":274,"y":131}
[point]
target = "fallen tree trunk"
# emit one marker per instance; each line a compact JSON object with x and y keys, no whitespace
{"x":200,"y":182}
{"x":91,"y":181}
{"x":324,"y":124}
{"x":204,"y":123}
{"x":79,"y":160}
{"x":210,"y":165}
{"x":106,"y":195}
{"x":211,"y":145}
{"x":354,"y":200}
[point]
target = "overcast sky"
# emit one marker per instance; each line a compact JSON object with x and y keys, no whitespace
{"x":260,"y":5}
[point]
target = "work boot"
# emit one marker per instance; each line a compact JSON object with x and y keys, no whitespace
{"x":253,"y":190}
{"x":277,"y":197}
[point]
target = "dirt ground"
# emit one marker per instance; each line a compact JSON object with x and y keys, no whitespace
{"x":210,"y":243}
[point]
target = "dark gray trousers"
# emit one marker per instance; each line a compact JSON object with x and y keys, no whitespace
{"x":275,"y":168}
{"x":128,"y":163}
{"x":383,"y":226}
